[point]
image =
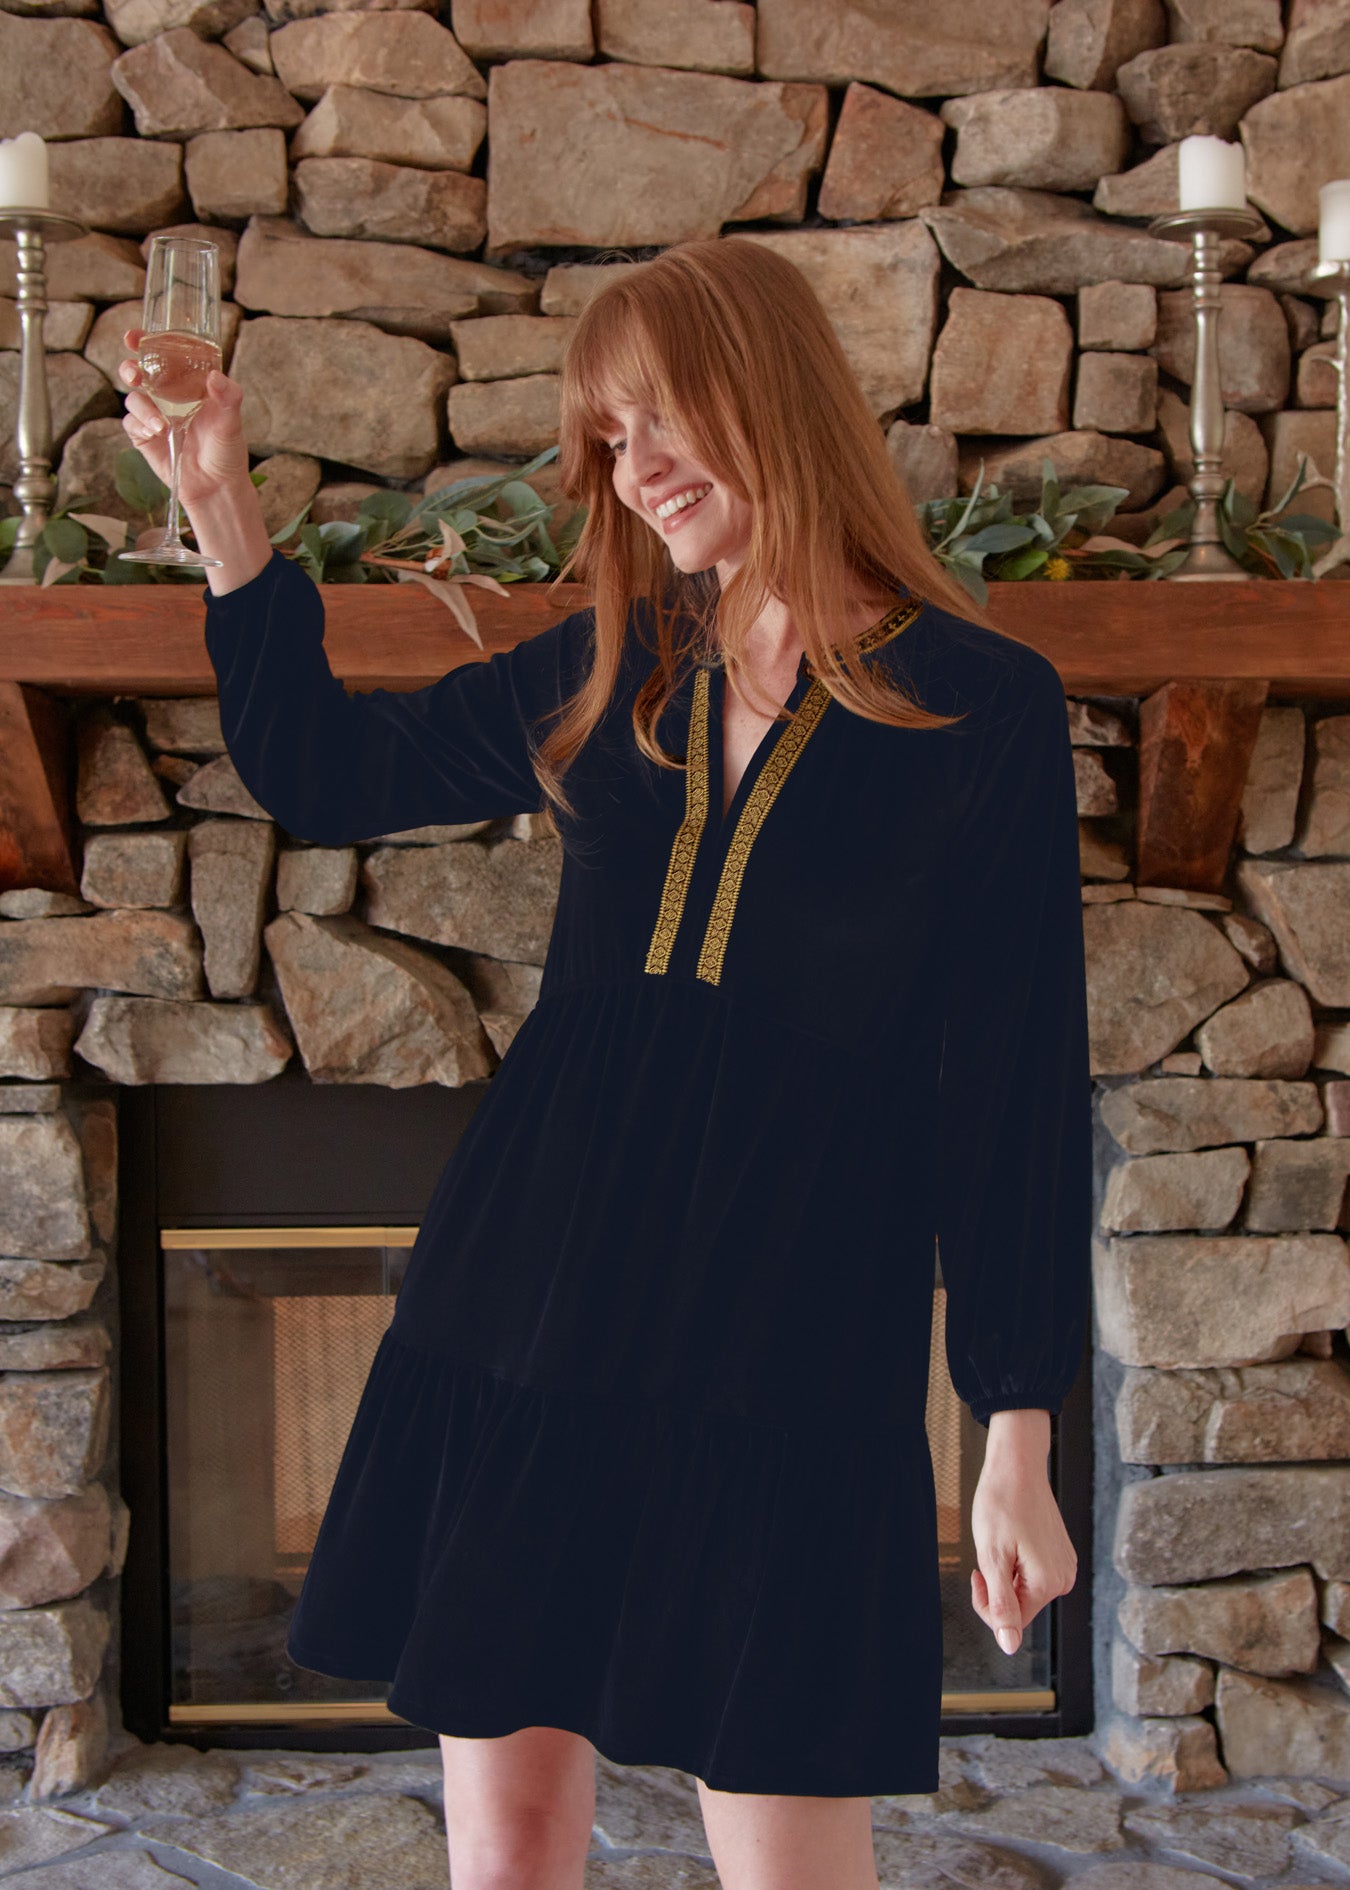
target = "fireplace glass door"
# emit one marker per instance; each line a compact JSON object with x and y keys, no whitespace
{"x":269,"y":1335}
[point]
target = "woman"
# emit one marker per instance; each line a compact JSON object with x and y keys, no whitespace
{"x":641,"y":1463}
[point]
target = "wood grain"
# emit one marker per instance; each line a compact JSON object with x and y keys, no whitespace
{"x":1104,"y":638}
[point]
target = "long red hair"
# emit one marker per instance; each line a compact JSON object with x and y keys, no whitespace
{"x":728,"y":340}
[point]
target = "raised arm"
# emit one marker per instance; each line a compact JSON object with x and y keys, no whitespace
{"x":334,"y":767}
{"x":329,"y":766}
{"x":1014,"y":1114}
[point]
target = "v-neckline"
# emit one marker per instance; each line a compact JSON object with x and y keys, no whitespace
{"x":760,"y":754}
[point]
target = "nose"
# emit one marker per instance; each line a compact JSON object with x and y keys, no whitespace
{"x":647,"y":458}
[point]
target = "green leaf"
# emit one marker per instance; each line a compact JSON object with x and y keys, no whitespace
{"x":997,"y":538}
{"x":117,"y":571}
{"x":1234,"y":540}
{"x":1022,"y":563}
{"x":385,"y":508}
{"x":344,"y":540}
{"x":1240,"y":508}
{"x":1176,"y":524}
{"x":1299,"y":477}
{"x":291,"y":526}
{"x":137,"y":484}
{"x":1288,"y":561}
{"x":9,"y":532}
{"x":65,"y":540}
{"x":1307,"y":525}
{"x":258,"y":477}
{"x":1050,"y":500}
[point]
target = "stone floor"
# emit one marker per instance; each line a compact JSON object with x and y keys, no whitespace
{"x":1009,"y":1815}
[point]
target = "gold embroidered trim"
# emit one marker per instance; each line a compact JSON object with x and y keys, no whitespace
{"x":761,"y":797}
{"x":777,"y":765}
{"x":680,"y":869}
{"x":758,"y":802}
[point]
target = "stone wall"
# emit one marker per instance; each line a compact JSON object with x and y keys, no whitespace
{"x":207,"y":946}
{"x":413,"y":203}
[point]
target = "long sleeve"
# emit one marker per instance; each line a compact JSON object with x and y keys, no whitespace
{"x":1015,"y":1090}
{"x":334,"y":767}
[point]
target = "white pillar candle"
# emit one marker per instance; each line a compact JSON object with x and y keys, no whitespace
{"x":23,"y":172}
{"x":1211,"y":175}
{"x":1333,"y":227}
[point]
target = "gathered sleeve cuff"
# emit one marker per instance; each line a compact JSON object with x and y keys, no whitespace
{"x":1015,"y":1087}
{"x":335,"y":767}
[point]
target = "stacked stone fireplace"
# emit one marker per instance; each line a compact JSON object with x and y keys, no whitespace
{"x":208,"y":946}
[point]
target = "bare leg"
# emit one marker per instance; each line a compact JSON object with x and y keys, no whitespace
{"x":762,"y":1842}
{"x":519,"y":1809}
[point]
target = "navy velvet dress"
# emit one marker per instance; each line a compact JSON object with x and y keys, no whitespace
{"x":643,"y":1453}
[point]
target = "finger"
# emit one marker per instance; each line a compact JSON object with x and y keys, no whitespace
{"x":229,"y":393}
{"x":143,"y":409}
{"x":1001,"y":1610}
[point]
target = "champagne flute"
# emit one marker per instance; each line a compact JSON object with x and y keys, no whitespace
{"x":180,"y":345}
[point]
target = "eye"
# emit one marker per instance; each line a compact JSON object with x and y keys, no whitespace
{"x":617,"y":446}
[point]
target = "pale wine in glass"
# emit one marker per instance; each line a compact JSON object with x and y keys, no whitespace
{"x":180,"y":345}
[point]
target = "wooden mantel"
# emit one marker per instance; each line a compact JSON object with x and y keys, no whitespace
{"x":1205,"y":656}
{"x":1105,"y":638}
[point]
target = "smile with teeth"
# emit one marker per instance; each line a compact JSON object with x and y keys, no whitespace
{"x":682,"y":501}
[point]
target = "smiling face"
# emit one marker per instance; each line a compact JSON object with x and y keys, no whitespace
{"x":700,"y":520}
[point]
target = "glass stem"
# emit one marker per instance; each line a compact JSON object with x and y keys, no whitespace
{"x":177,"y":428}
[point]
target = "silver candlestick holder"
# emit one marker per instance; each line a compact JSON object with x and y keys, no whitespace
{"x":1208,"y":556}
{"x":34,"y":488}
{"x":1333,"y":278}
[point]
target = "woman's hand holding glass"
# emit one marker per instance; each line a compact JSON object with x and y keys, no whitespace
{"x":214,"y":487}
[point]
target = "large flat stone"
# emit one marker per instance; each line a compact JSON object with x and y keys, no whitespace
{"x":879,"y":288}
{"x":613,"y":154}
{"x":56,"y":79}
{"x":1305,"y":905}
{"x":97,"y":267}
{"x":1186,"y":91}
{"x":179,"y":85}
{"x":135,"y":21}
{"x":1033,"y":241}
{"x":154,"y":954}
{"x":362,"y":197}
{"x":368,"y":1842}
{"x":433,"y":134}
{"x":1047,"y":138}
{"x":696,"y":35}
{"x":43,"y":1211}
{"x":144,"y":1040}
{"x":1195,"y":1525}
{"x":885,"y":158}
{"x":1089,"y":40}
{"x":1217,"y":1299}
{"x":366,"y":1008}
{"x":919,"y":52}
{"x":342,"y":390}
{"x":407,"y":54}
{"x":1296,"y":141}
{"x":285,"y":271}
{"x":1002,"y":364}
{"x":518,"y":416}
{"x":126,"y":185}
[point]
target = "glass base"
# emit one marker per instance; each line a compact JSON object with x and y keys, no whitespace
{"x":167,"y":554}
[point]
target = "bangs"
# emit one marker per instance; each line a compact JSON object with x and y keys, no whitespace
{"x":614,"y":361}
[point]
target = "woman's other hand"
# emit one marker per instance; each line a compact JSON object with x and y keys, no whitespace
{"x":1023,"y":1549}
